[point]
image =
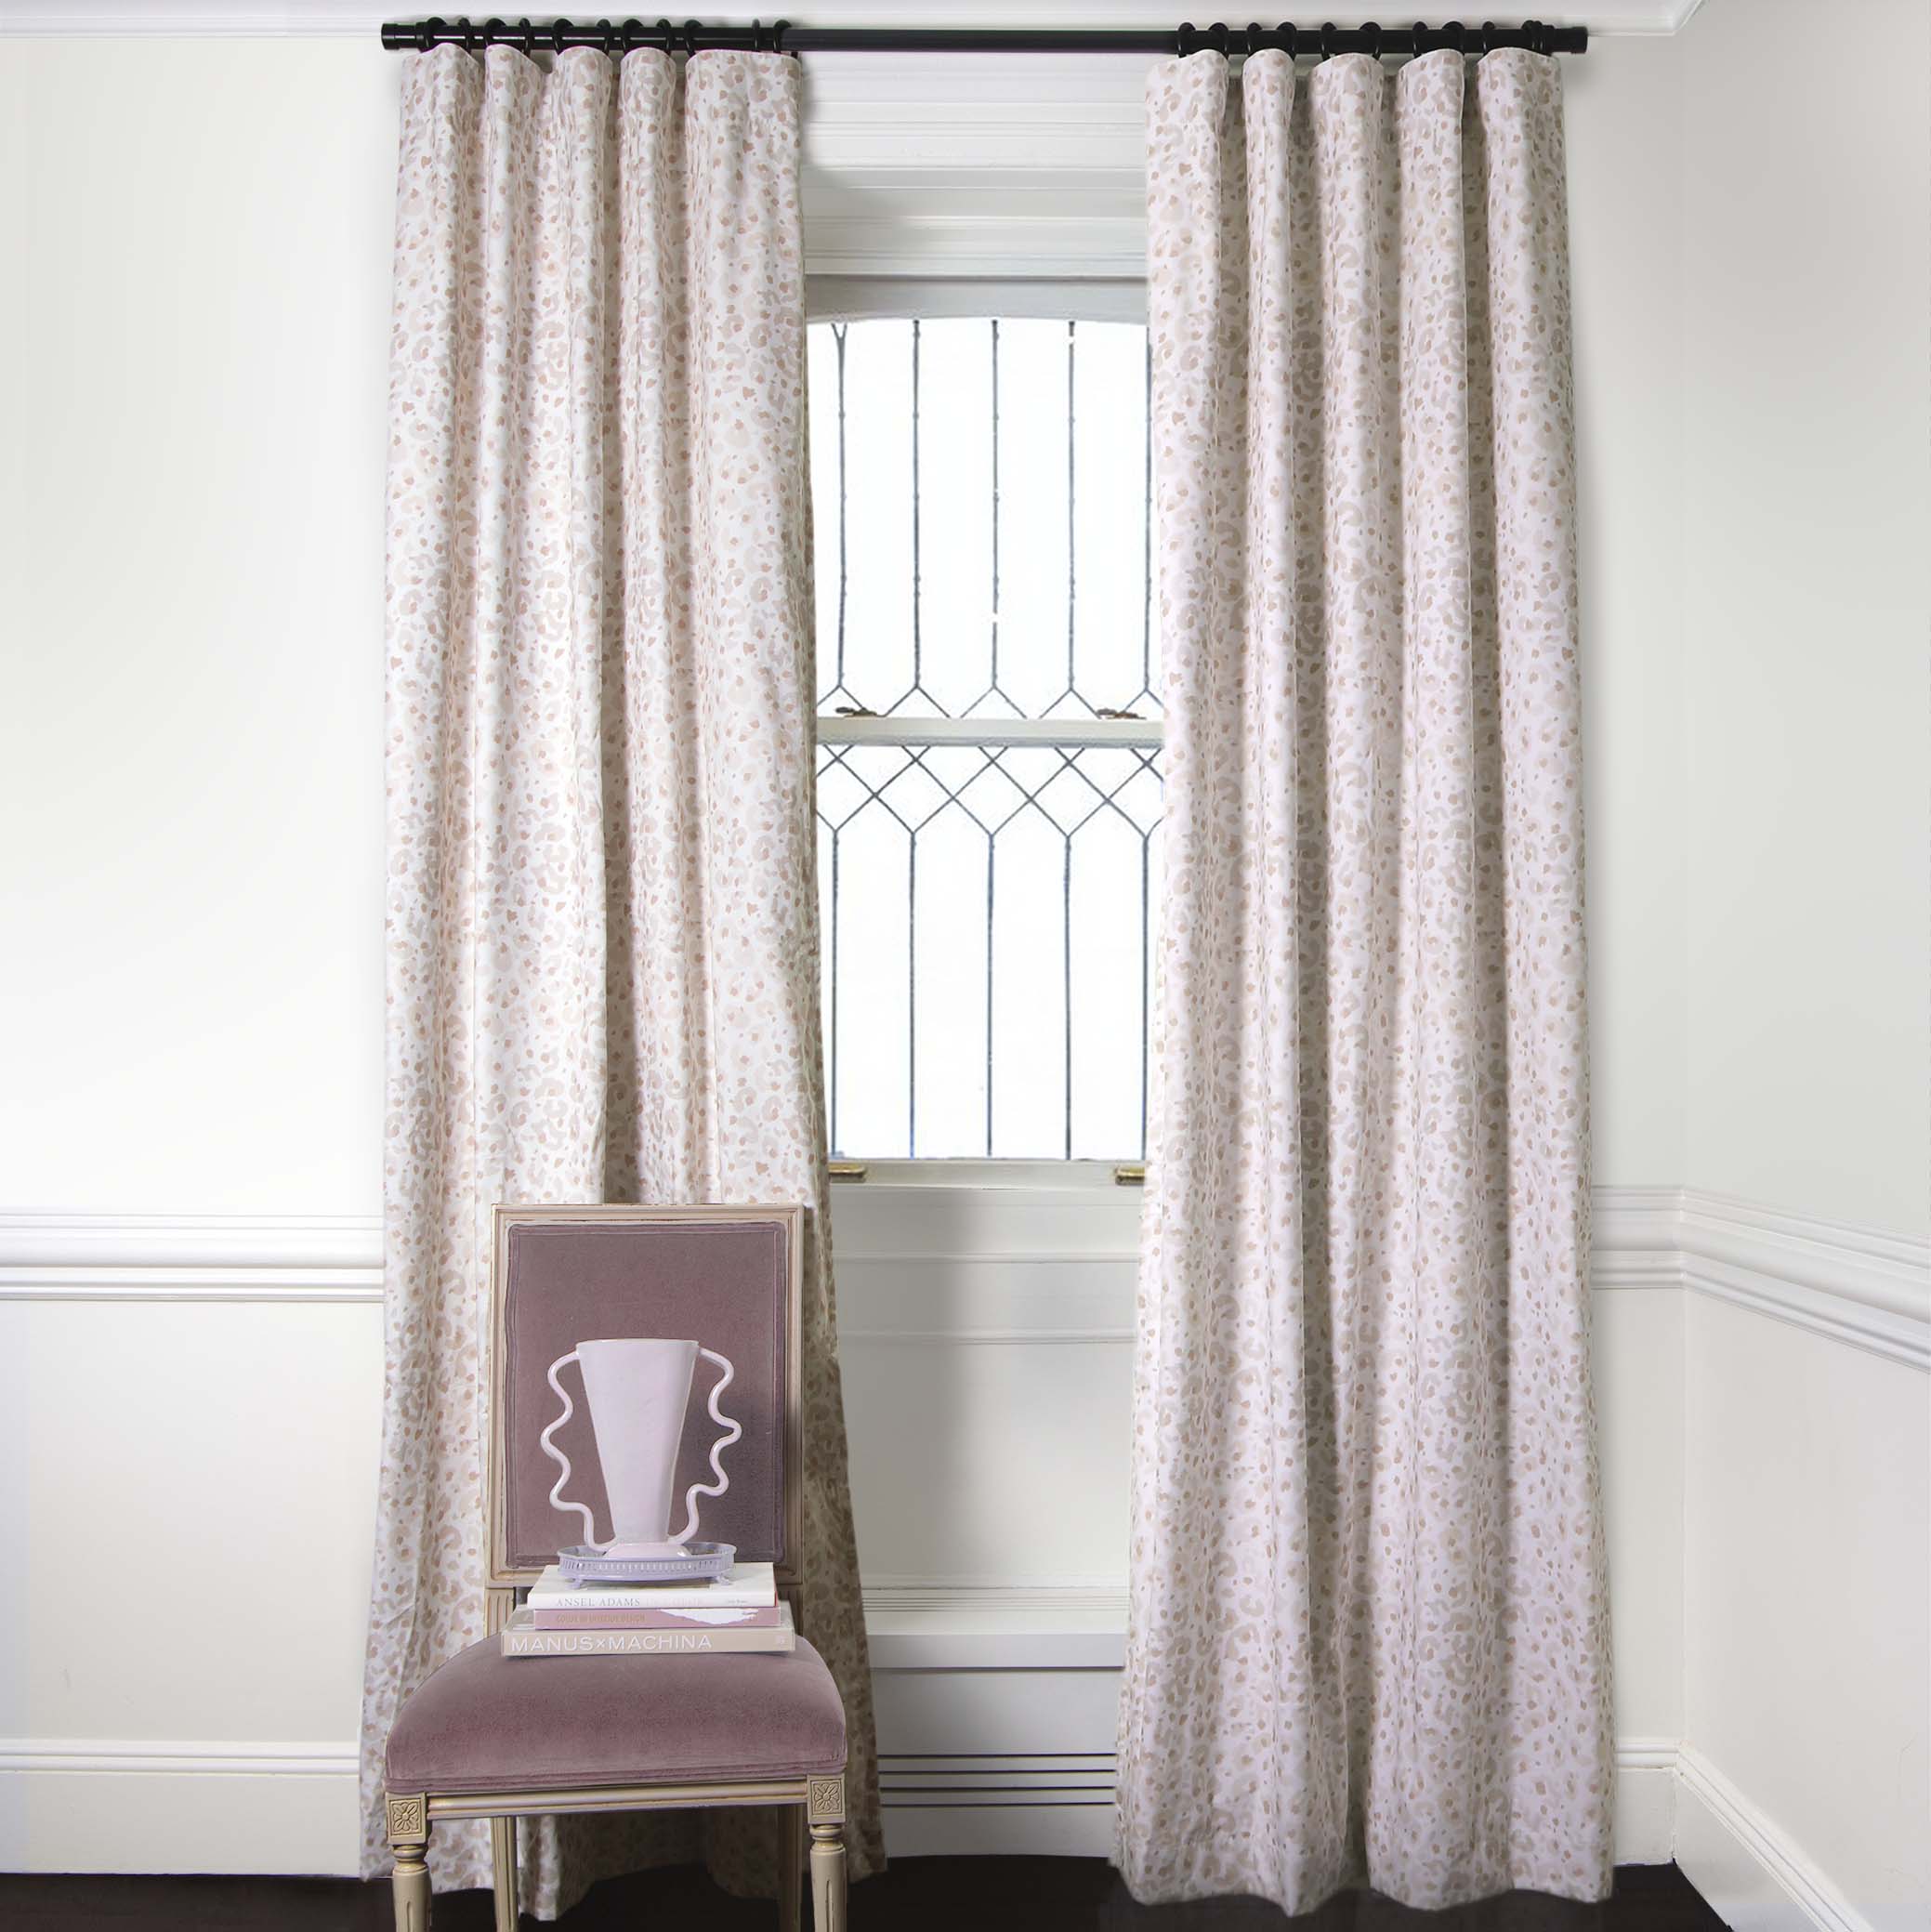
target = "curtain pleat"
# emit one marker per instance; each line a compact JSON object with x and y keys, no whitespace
{"x":601,"y":911}
{"x":1368,"y":1640}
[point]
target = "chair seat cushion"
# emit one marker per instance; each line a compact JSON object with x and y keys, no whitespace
{"x":485,"y":1722}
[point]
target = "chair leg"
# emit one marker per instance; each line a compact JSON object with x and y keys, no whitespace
{"x":824,"y":1807}
{"x":828,"y":1878}
{"x":409,"y":1840}
{"x":502,"y":1863}
{"x":791,"y":1869}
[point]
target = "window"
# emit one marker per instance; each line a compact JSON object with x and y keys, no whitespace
{"x":989,"y":736}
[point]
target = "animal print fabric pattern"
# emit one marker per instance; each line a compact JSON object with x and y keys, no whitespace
{"x":1368,"y":1630}
{"x":602,"y":972}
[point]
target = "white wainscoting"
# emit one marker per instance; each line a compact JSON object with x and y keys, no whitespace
{"x":986,"y":1340}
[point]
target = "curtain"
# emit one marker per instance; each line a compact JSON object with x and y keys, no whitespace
{"x":1368,"y":1637}
{"x":602,"y":949}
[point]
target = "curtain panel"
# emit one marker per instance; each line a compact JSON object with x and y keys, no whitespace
{"x":1369,"y":1617}
{"x":602,"y":948}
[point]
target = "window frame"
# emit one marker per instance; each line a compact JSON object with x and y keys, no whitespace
{"x":854,"y":299}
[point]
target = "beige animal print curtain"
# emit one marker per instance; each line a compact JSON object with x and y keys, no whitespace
{"x":602,"y":920}
{"x":1369,"y":1628}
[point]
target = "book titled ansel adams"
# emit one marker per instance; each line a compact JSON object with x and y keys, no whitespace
{"x":648,"y":1616}
{"x":747,"y":1586}
{"x":522,"y":1638}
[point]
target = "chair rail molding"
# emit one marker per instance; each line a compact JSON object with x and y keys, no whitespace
{"x":1854,"y":1284}
{"x":276,"y":1259}
{"x":1865,"y":1287}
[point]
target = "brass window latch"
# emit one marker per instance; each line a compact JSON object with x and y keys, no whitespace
{"x":1130,"y":1174}
{"x":846,"y":1170}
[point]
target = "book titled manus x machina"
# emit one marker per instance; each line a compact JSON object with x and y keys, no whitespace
{"x":522,"y":1637}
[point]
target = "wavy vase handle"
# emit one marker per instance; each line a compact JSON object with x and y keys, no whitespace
{"x":718,"y":1449}
{"x":557,"y":1456}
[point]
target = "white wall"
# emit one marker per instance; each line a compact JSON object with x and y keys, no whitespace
{"x":192,"y":421}
{"x":1625,"y":108}
{"x":194,"y":346}
{"x":1806,"y":498}
{"x":193,"y":359}
{"x":1808,"y":1529}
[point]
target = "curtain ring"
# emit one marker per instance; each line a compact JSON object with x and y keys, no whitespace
{"x":1371,"y":34}
{"x":779,"y":29}
{"x":557,"y":30}
{"x":668,"y":34}
{"x":692,"y":29}
{"x":427,"y":34}
{"x":1455,"y":36}
{"x":528,"y":35}
{"x":1183,"y":39}
{"x":1327,"y":40}
{"x":1289,"y":38}
{"x":1490,"y":31}
{"x":1216,"y":38}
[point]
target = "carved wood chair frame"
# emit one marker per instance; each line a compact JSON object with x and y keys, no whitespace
{"x":816,"y":1802}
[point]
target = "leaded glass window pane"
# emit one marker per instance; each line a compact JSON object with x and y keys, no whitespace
{"x":989,"y":775}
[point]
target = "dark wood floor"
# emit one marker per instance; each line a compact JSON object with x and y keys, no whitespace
{"x":930,"y":1894}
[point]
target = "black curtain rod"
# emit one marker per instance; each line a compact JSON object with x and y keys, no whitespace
{"x":694,"y":37}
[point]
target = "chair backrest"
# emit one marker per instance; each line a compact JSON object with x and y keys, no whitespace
{"x":728,"y":1278}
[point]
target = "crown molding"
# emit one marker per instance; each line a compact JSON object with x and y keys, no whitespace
{"x":346,"y":19}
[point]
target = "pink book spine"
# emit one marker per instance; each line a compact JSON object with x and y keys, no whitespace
{"x":645,"y":1619}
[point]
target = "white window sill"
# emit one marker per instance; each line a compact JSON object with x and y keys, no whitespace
{"x":1032,"y":1177}
{"x":1007,"y":1638}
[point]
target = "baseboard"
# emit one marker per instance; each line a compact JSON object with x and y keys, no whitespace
{"x":1646,"y":1800}
{"x":103,"y":1805}
{"x":96,"y":1805}
{"x":1754,"y":1876}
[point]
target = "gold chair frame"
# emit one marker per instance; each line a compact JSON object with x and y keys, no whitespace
{"x":816,"y":1800}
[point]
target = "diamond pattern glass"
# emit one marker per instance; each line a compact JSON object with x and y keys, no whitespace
{"x":981,"y":500}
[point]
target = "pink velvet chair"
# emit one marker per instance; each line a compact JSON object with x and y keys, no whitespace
{"x":497,"y":1737}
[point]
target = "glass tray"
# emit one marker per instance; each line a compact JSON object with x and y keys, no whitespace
{"x":698,"y":1563}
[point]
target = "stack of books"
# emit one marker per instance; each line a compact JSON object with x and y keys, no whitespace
{"x":739,"y":1611}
